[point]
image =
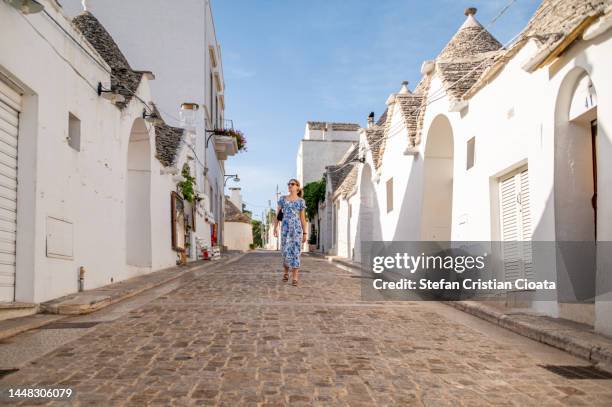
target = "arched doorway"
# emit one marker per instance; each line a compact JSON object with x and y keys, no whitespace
{"x":576,"y":159}
{"x":138,"y":197}
{"x":436,"y":214}
{"x":575,"y":195}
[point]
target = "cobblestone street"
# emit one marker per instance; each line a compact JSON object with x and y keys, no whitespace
{"x":240,"y":336}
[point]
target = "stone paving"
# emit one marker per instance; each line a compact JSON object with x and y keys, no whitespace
{"x":240,"y":336}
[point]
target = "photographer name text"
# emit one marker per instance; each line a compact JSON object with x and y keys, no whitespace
{"x":467,"y":284}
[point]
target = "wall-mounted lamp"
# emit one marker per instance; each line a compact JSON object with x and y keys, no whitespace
{"x":169,"y":170}
{"x":26,"y":6}
{"x":110,"y":94}
{"x":152,"y":118}
{"x":235,"y":178}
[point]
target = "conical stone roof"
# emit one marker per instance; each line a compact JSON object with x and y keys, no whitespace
{"x":466,"y":56}
{"x":470,"y":40}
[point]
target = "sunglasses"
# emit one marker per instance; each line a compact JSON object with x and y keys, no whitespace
{"x":291,"y":184}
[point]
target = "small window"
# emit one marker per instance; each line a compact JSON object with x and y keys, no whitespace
{"x":389,"y":195}
{"x":471,"y":149}
{"x":74,"y":132}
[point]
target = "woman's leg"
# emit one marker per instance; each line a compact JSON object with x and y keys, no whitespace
{"x":295,"y":275}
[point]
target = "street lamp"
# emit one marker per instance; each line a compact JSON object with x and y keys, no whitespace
{"x":235,"y":178}
{"x":152,"y":118}
{"x":110,"y":94}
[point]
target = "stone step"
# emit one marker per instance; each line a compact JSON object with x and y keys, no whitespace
{"x":14,"y":326}
{"x":10,"y":310}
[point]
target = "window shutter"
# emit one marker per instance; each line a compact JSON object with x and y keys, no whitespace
{"x":516,"y":225}
{"x":525,"y":210}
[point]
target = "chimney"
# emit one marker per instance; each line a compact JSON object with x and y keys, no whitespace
{"x":370,"y":119}
{"x":404,"y":89}
{"x":470,"y":11}
{"x":236,"y":197}
{"x":427,"y":67}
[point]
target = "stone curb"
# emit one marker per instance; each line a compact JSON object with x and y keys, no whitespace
{"x":12,"y":327}
{"x":346,"y":263}
{"x":86,"y":303}
{"x":559,"y":337}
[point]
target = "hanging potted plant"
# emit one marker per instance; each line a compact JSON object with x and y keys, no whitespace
{"x":239,"y":136}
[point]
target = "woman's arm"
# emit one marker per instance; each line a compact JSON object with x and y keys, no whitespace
{"x":278,"y":208}
{"x":303,"y":221}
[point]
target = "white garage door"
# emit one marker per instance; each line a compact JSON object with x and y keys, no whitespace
{"x":10,"y":104}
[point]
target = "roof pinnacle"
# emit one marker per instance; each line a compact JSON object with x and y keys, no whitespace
{"x":470,"y":11}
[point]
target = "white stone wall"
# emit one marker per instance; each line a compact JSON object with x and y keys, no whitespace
{"x":320,"y":148}
{"x":316,"y":155}
{"x":329,"y":135}
{"x":173,"y":43}
{"x":516,"y":121}
{"x":85,"y":188}
{"x":89,"y":189}
{"x":238,"y":235}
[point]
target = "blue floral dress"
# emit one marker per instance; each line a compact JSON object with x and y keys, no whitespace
{"x":291,"y":231}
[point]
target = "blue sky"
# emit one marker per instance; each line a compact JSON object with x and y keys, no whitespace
{"x":288,"y":61}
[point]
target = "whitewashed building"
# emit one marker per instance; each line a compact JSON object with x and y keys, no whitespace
{"x":238,"y":227}
{"x":323,"y":144}
{"x":87,"y":177}
{"x":499,"y":144}
{"x":178,"y":42}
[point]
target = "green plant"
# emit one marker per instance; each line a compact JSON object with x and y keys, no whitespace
{"x":314,"y":192}
{"x":313,"y":237}
{"x":187,"y":186}
{"x":257,"y":233}
{"x":239,"y":136}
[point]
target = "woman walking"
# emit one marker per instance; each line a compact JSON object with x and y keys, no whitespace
{"x":293,"y":229}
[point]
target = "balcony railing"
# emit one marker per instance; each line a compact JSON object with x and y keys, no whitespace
{"x":226,"y":124}
{"x":221,"y":125}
